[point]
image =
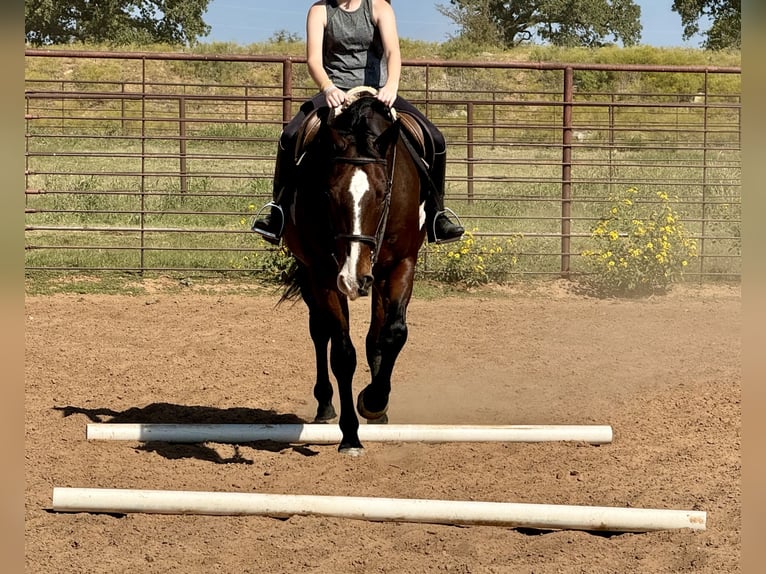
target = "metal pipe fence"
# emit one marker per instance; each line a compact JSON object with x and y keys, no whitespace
{"x":157,"y":162}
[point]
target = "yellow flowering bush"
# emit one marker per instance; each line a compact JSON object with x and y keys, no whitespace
{"x":472,"y":261}
{"x":640,"y":246}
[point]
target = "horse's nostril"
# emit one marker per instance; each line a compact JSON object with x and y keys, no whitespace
{"x":364,"y":284}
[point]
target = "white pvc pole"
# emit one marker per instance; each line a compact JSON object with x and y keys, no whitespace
{"x":330,"y":433}
{"x":517,"y":515}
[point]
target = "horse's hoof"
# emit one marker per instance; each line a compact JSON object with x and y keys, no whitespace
{"x":351,"y":450}
{"x":382,"y":420}
{"x":369,"y":415}
{"x":325,"y":415}
{"x":324,"y":419}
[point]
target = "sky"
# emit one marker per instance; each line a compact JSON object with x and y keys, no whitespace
{"x":250,"y":21}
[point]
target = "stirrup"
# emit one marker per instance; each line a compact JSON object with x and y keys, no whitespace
{"x":439,"y":241}
{"x":269,"y":236}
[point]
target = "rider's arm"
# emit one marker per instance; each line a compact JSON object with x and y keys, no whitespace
{"x":315,"y":25}
{"x":384,"y":19}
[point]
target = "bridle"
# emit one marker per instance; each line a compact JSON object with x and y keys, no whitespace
{"x":372,"y":241}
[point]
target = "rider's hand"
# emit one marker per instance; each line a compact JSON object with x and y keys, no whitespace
{"x":334,"y":96}
{"x":387,"y":95}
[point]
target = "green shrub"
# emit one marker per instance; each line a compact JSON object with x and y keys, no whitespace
{"x":472,"y":261}
{"x":640,"y":246}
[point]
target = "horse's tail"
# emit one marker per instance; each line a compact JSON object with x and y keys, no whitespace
{"x":293,"y":278}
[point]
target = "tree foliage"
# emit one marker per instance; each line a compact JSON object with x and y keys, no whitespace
{"x":725,"y":15}
{"x":561,"y":22}
{"x":284,"y":36}
{"x":114,"y":21}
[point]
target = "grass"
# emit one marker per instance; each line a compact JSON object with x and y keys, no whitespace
{"x":504,"y":202}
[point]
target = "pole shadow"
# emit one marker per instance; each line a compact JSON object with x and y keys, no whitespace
{"x":168,"y":413}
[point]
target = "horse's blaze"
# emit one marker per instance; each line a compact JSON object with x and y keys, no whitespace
{"x":356,"y":273}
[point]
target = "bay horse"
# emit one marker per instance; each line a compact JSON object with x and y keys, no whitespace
{"x":354,"y":228}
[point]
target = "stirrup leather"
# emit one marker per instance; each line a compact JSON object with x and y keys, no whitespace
{"x":268,"y":234}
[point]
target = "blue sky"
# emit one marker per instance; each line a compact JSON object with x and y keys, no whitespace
{"x":249,"y":21}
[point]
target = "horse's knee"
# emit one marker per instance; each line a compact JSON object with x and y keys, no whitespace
{"x":397,"y":334}
{"x":343,"y":358}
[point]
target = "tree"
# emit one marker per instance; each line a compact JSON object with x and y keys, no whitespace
{"x":560,"y":22}
{"x":284,"y":36}
{"x":114,"y":21}
{"x":726,"y":17}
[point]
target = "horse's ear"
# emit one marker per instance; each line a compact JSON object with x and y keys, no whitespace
{"x":387,"y":138}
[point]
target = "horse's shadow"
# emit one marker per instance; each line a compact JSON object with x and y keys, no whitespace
{"x":165,"y":413}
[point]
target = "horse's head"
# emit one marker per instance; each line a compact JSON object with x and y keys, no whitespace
{"x":359,"y":143}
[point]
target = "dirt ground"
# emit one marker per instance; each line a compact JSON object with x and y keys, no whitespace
{"x":664,"y":372}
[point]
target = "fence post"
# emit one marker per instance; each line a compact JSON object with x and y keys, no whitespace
{"x":705,"y":199}
{"x":469,"y":151}
{"x":494,"y":119}
{"x":142,"y":241}
{"x":184,"y":183}
{"x":123,"y":123}
{"x":566,"y":172}
{"x":63,"y":110}
{"x":247,"y":105}
{"x":611,"y":140}
{"x":287,"y":90}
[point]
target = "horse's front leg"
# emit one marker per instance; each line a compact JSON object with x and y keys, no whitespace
{"x":320,"y":335}
{"x":329,"y":320}
{"x":343,"y":363}
{"x":385,"y":339}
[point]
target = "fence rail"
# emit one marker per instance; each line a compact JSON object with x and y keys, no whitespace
{"x":140,"y":162}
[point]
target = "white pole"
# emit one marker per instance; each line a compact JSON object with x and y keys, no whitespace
{"x":517,"y":515}
{"x":330,"y":433}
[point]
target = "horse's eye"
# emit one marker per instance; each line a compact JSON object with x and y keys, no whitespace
{"x":337,"y":141}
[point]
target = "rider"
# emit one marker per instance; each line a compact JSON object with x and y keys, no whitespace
{"x":354,"y":43}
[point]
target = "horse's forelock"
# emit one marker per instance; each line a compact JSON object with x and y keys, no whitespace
{"x":353,"y":123}
{"x":356,"y":106}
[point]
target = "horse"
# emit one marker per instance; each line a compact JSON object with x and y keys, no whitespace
{"x":354,"y":229}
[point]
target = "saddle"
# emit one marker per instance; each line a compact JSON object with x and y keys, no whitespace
{"x":417,"y":134}
{"x":306,"y":134}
